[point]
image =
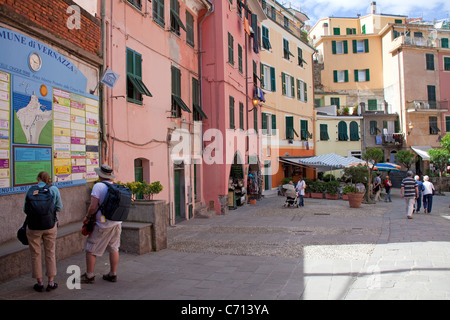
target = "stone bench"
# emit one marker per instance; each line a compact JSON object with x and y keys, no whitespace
{"x":15,"y":257}
{"x":136,"y":237}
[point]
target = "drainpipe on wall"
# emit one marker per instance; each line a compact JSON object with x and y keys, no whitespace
{"x":101,"y":89}
{"x":210,"y":10}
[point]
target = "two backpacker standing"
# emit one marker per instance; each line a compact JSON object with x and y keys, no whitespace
{"x":42,"y":203}
{"x":109,"y":207}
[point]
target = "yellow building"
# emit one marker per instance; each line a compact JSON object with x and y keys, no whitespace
{"x":286,"y":74}
{"x":349,"y":74}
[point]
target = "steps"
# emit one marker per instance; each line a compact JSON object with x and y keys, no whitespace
{"x":204,"y":212}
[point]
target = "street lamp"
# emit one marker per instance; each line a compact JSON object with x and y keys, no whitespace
{"x":410,"y":127}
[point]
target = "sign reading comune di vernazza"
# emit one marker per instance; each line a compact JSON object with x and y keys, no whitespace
{"x":48,"y":119}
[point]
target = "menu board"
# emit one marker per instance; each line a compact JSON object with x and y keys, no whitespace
{"x":5,"y":104}
{"x":75,"y":136}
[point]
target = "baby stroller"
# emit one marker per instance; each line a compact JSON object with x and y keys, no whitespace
{"x":291,"y":196}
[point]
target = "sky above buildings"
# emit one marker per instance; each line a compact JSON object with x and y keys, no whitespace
{"x":426,"y":9}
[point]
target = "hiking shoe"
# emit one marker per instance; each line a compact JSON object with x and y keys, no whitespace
{"x":51,"y":287}
{"x":86,"y":279}
{"x":110,"y":278}
{"x":410,"y":217}
{"x":38,"y":287}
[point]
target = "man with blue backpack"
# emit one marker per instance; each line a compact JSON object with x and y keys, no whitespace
{"x":108,"y":208}
{"x":419,"y":198}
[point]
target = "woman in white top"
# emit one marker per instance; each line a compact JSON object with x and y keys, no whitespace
{"x":427,"y":194}
{"x":301,"y":186}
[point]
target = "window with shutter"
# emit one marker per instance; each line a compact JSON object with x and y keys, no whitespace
{"x":175,"y":21}
{"x":241,"y":116}
{"x":264,"y":122}
{"x":286,"y":52}
{"x":231,"y":110}
{"x":429,"y":58}
{"x":444,"y":42}
{"x":336,"y":31}
{"x":372,"y":104}
{"x":373,"y":127}
{"x":304,"y":133}
{"x":265,"y":38}
{"x":324,"y":132}
{"x":289,"y":127}
{"x":177,"y":103}
{"x":189,"y":29}
{"x":255,"y":119}
{"x":342,"y":131}
{"x":274,"y":124}
{"x":135,"y":86}
{"x":447,"y":123}
{"x":447,"y":63}
{"x":158,"y":12}
{"x":230,"y":49}
{"x":240,"y":58}
{"x":354,"y":131}
{"x":434,"y":125}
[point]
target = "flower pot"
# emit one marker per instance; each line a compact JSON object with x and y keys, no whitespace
{"x":345,"y":197}
{"x":355,"y":199}
{"x":331,"y":196}
{"x":316,"y":195}
{"x":307,"y":195}
{"x":253,"y":201}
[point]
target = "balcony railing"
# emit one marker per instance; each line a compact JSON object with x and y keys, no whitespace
{"x":427,"y":105}
{"x":391,"y":139}
{"x":282,"y":21}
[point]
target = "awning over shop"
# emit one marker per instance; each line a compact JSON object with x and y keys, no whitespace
{"x":422,"y":151}
{"x":325,"y":162}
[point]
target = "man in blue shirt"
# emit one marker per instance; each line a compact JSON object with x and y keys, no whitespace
{"x":419,"y":198}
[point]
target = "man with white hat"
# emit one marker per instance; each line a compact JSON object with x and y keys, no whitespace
{"x":106,"y":233}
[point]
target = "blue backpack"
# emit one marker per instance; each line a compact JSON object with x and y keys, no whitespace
{"x":40,"y":208}
{"x":117,"y":202}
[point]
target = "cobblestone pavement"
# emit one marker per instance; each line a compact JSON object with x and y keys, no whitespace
{"x":325,"y":250}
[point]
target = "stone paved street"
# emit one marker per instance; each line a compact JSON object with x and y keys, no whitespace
{"x":325,"y":250}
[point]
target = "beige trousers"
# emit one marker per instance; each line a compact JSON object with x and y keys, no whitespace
{"x":48,"y":238}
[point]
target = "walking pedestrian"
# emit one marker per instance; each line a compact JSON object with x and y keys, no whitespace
{"x":301,"y":186}
{"x":427,"y":194}
{"x":106,"y":233}
{"x":42,"y":203}
{"x":409,"y":192}
{"x":419,"y":199}
{"x":387,"y":187}
{"x":377,"y":187}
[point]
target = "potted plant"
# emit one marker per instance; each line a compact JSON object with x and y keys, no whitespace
{"x":356,"y":175}
{"x":348,"y":189}
{"x":332,"y":190}
{"x":317,"y":189}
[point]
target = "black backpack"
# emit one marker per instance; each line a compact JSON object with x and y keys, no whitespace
{"x":116,"y":204}
{"x":40,"y":208}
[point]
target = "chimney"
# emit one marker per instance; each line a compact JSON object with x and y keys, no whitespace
{"x":373,"y":7}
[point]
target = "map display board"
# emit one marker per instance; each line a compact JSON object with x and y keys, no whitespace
{"x":49,"y":120}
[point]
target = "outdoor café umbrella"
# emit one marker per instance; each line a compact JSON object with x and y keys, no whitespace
{"x":386,"y":166}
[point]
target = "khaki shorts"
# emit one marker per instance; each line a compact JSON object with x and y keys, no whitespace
{"x":102,"y":239}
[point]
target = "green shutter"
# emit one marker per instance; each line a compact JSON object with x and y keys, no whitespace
{"x":274,"y":124}
{"x":292,"y":87}
{"x":355,"y":50}
{"x":289,"y":127}
{"x":231,"y":112}
{"x":356,"y":76}
{"x":333,"y":46}
{"x":444,"y":42}
{"x":345,"y":75}
{"x":345,"y":46}
{"x":342,"y":131}
{"x":366,"y":45}
{"x":241,"y":115}
{"x":363,"y":29}
{"x":336,"y":31}
{"x":367,"y":75}
{"x":304,"y":134}
{"x":283,"y":83}
{"x":306,"y":91}
{"x":261,"y":75}
{"x":298,"y":89}
{"x":264,"y":122}
{"x":272,"y":78}
{"x":354,"y":131}
{"x":447,"y":124}
{"x":372,"y":104}
{"x":335,"y":76}
{"x":324,"y":132}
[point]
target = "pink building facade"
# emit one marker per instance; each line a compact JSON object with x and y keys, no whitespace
{"x":229,"y":67}
{"x":155,"y":104}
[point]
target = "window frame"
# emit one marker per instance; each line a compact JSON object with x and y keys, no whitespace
{"x":158,"y":12}
{"x":230,"y":49}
